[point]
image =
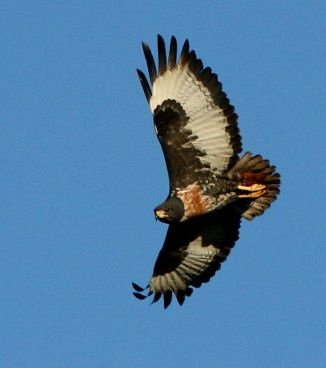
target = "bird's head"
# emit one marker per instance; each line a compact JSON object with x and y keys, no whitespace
{"x":171,"y":210}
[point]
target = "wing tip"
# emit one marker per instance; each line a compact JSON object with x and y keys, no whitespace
{"x":167,"y":295}
{"x":185,"y":54}
{"x":150,"y":62}
{"x":145,"y":85}
{"x":172,"y":53}
{"x":161,"y":55}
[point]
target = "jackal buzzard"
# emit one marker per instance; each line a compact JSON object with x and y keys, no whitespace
{"x":211,"y":187}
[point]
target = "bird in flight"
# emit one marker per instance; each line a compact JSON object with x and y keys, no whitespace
{"x":211,"y":186}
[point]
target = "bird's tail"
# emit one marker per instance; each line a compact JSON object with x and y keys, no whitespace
{"x":253,"y":171}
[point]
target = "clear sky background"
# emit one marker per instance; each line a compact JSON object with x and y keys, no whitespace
{"x":81,"y":171}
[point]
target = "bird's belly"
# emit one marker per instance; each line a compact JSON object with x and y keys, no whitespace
{"x":197,"y":203}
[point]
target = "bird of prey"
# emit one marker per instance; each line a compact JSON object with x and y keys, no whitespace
{"x":211,"y":186}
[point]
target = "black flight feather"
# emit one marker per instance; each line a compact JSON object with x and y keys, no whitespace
{"x":157,"y":297}
{"x":167,"y":298}
{"x":150,"y":62}
{"x":138,"y":288}
{"x":184,"y":57}
{"x":144,"y":83}
{"x":139,"y":296}
{"x":161,"y":55}
{"x":172,"y":53}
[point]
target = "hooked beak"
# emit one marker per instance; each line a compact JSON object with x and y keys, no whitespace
{"x":160,"y":214}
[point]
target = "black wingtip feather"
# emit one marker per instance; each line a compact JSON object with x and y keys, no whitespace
{"x":139,"y":296}
{"x":150,"y":62}
{"x":189,"y":291}
{"x":195,"y":65}
{"x":144,"y":83}
{"x":180,"y":297}
{"x":172,"y":53}
{"x":161,"y":55}
{"x":138,"y":288}
{"x":167,"y":298}
{"x":184,"y":56}
{"x":157,"y":297}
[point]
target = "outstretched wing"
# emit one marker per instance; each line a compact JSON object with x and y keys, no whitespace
{"x":192,"y":253}
{"x":194,"y":121}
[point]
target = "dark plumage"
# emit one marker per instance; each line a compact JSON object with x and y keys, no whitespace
{"x":171,"y":210}
{"x":211,"y":187}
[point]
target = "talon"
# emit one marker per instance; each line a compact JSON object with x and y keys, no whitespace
{"x":255,"y":190}
{"x":256,"y":194}
{"x":252,"y":188}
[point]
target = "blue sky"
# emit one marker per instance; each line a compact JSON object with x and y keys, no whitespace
{"x":81,"y":171}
